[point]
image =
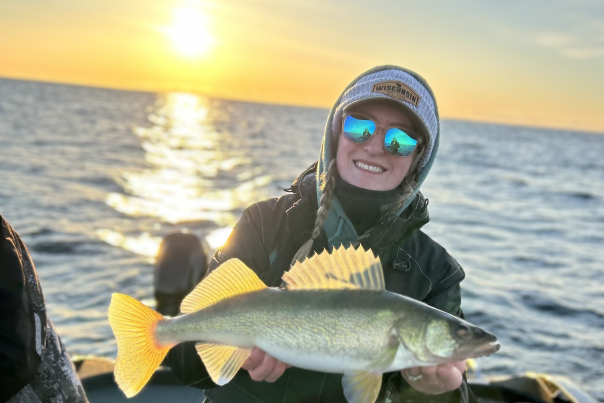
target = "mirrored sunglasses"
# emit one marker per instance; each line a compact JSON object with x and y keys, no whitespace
{"x":397,"y":142}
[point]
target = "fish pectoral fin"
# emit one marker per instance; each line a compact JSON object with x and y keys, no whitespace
{"x":361,"y":386}
{"x":343,"y":269}
{"x":222,"y":362}
{"x":384,"y":359}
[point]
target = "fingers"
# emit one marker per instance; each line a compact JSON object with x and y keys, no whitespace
{"x":460,"y":365}
{"x":413,"y":374}
{"x":449,"y":376}
{"x":254,"y":359}
{"x":263,"y":367}
{"x":278,"y":370}
{"x":435,"y":379}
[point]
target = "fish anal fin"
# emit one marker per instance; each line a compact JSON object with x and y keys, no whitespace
{"x":361,"y":387}
{"x":345,"y":269}
{"x":231,"y":278}
{"x":222,"y":362}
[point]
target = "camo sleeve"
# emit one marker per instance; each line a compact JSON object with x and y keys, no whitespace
{"x":19,"y":359}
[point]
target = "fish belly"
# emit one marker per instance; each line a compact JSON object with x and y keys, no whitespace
{"x":323,"y":331}
{"x":316,"y":362}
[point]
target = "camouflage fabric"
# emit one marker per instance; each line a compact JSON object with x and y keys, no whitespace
{"x":56,"y":379}
{"x":29,"y":339}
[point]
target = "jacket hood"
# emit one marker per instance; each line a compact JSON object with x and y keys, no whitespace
{"x":338,"y":227}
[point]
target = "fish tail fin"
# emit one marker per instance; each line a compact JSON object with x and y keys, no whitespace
{"x":138,"y":353}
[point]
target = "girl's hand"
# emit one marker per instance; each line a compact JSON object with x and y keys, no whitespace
{"x":435,"y":379}
{"x":263,"y":367}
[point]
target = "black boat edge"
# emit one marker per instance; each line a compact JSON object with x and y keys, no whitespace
{"x":96,"y":374}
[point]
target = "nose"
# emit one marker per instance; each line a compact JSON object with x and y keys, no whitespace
{"x":374,"y":145}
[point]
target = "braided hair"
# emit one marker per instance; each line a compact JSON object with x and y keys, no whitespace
{"x":328,"y":186}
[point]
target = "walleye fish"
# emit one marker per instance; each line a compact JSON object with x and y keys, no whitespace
{"x":334,"y":315}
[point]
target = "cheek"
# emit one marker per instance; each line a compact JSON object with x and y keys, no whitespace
{"x":344,"y":149}
{"x":400,"y":167}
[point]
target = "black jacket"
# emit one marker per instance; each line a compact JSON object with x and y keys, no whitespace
{"x":267,"y":237}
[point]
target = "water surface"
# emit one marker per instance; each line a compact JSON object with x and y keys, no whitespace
{"x":93,"y":178}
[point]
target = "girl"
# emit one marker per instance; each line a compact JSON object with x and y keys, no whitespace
{"x":380,"y":142}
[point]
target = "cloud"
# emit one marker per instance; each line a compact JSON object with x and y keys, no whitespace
{"x":552,"y":39}
{"x":584,"y":42}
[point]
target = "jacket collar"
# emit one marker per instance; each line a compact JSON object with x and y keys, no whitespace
{"x":301,"y":216}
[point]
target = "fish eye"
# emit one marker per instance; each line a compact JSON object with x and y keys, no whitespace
{"x":463,"y":331}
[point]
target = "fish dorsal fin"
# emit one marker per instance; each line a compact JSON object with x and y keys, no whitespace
{"x":231,"y":278}
{"x":222,"y":362}
{"x":350,"y":269}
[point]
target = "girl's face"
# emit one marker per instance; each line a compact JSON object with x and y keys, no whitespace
{"x":368,"y":165}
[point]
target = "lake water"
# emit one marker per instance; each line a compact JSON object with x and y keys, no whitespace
{"x":93,"y":178}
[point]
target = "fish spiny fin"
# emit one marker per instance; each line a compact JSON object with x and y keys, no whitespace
{"x":361,"y":387}
{"x":222,"y":362}
{"x":353,"y":269}
{"x":231,"y":278}
{"x":138,"y":354}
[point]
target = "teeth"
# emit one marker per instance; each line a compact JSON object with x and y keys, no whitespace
{"x":369,"y":167}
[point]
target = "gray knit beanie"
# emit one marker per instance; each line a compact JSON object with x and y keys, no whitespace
{"x":402,"y":88}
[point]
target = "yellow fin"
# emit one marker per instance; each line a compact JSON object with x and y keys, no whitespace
{"x":138,"y":354}
{"x":353,"y":269}
{"x":222,"y":362}
{"x":361,"y":387}
{"x":231,"y":278}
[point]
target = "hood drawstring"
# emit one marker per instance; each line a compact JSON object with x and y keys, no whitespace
{"x":303,"y":252}
{"x":338,"y":231}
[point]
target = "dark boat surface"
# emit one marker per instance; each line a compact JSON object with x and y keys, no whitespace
{"x":97,"y":378}
{"x":163,"y":386}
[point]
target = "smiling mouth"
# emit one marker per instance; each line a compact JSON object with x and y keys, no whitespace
{"x":369,"y":168}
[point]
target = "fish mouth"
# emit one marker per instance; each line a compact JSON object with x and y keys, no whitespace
{"x":485,"y":345}
{"x":486,"y":349}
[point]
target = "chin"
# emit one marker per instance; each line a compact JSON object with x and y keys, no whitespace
{"x":370,"y":183}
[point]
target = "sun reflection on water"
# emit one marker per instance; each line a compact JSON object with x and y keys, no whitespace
{"x":197,"y":173}
{"x":144,"y":244}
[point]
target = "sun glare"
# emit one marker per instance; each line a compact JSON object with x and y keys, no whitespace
{"x":189,"y":32}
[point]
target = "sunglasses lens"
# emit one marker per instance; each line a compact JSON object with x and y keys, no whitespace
{"x":399,"y":143}
{"x":357,"y":130}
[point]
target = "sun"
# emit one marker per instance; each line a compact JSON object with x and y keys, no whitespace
{"x":189,"y":33}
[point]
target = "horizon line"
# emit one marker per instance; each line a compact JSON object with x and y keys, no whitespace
{"x":477,"y":120}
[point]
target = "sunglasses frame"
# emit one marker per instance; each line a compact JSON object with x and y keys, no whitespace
{"x":411,"y":135}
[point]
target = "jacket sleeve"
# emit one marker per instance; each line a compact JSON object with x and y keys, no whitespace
{"x":18,"y":357}
{"x":446,"y":294}
{"x":246,"y":244}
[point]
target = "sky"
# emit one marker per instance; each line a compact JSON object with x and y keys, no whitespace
{"x":538,"y":62}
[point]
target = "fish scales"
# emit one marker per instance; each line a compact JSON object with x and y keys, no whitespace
{"x":334,"y":323}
